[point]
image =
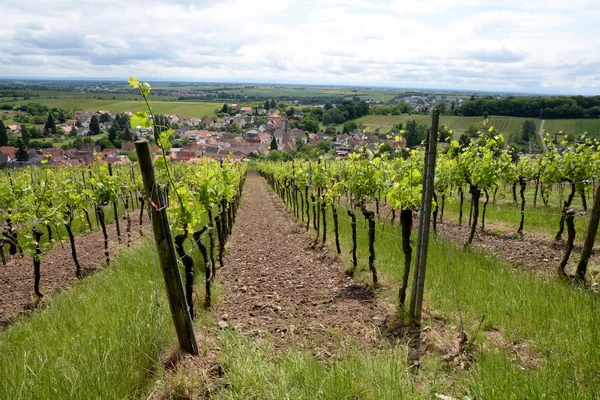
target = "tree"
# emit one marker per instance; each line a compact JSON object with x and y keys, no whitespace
{"x":485,"y":115}
{"x":415,"y":134}
{"x":330,"y":131}
{"x":126,"y":135}
{"x":104,"y":118}
{"x":274,"y":155}
{"x":267,"y":105}
{"x":310,"y":124}
{"x":25,"y":134}
{"x":527,"y":130}
{"x":113,"y":133}
{"x":225,"y":108}
{"x":21,"y":154}
{"x":328,"y":106}
{"x":3,"y":134}
{"x":94,"y":125}
{"x":350,"y":126}
{"x":50,"y":126}
{"x":324,"y":146}
{"x":444,"y":133}
{"x":235,"y":128}
{"x":273,"y":143}
{"x":273,"y":104}
{"x":104,"y":143}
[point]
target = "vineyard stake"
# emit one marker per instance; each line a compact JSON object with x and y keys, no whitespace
{"x":166,"y":253}
{"x":416,"y":298}
{"x":115,"y":208}
{"x":590,"y":238}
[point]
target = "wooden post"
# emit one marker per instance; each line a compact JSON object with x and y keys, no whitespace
{"x":416,"y":298}
{"x":115,"y":208}
{"x":590,"y":237}
{"x":166,"y":253}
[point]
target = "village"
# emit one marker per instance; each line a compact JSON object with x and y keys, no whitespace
{"x":246,"y":133}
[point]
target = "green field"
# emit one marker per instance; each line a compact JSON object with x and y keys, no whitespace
{"x":181,"y":108}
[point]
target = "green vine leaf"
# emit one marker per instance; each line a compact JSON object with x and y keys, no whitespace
{"x":140,"y":118}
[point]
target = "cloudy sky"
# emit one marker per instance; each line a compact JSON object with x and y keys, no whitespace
{"x":542,"y":46}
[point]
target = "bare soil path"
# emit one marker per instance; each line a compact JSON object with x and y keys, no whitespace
{"x":58,"y":267}
{"x":276,"y":286}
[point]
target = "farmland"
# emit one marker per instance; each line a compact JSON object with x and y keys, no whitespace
{"x":574,"y":126}
{"x":506,"y":125}
{"x":308,"y":296}
{"x":287,"y":320}
{"x":181,"y":108}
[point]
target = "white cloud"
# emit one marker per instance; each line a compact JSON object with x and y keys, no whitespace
{"x":494,"y":44}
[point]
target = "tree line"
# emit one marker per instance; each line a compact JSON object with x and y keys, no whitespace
{"x":535,"y":107}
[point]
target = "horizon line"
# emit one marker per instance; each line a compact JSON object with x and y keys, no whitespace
{"x":300,"y":83}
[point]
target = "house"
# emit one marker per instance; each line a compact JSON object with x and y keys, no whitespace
{"x":298,"y":134}
{"x":173,"y":118}
{"x":55,"y":154}
{"x":194,"y":147}
{"x":207,"y":123}
{"x":118,"y":159}
{"x":281,"y":135}
{"x":128,"y":146}
{"x":14,"y":128}
{"x":191,"y":121}
{"x":264,"y":138}
{"x":10,"y":151}
{"x":191,"y":135}
{"x":246,"y":110}
{"x":90,"y":149}
{"x":109,"y":153}
{"x":186,"y":155}
{"x":263,"y":148}
{"x":212,"y":151}
{"x":289,"y":146}
{"x":5,"y":160}
{"x":251,"y":134}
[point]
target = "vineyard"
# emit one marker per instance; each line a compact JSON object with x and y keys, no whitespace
{"x":459,"y":124}
{"x":574,"y":126}
{"x":307,"y":269}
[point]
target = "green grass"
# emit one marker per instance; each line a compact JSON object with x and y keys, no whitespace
{"x":69,"y":101}
{"x":96,"y":340}
{"x":252,"y":372}
{"x":559,"y":322}
{"x":539,"y":220}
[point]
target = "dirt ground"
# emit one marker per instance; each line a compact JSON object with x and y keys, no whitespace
{"x":275,"y":285}
{"x":58,"y":267}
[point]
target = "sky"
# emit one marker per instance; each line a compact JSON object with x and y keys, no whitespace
{"x":533,"y":46}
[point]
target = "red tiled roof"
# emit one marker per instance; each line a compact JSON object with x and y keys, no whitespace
{"x":9,"y":151}
{"x":128,"y":146}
